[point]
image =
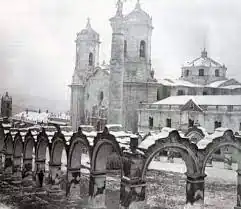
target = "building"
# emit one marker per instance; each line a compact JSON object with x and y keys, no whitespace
{"x":202,"y":76}
{"x":111,"y":93}
{"x":203,"y":95}
{"x":183,"y":112}
{"x":6,"y":106}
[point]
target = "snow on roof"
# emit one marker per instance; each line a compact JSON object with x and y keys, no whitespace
{"x":202,"y":100}
{"x":232,"y":87}
{"x":216,"y":84}
{"x":177,"y":82}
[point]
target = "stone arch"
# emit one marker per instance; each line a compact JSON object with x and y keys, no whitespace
{"x":228,"y":139}
{"x":29,"y":144}
{"x":41,"y":146}
{"x":18,"y":145}
{"x":77,"y":142}
{"x":176,"y":142}
{"x":8,"y":151}
{"x":195,"y":134}
{"x":2,"y":137}
{"x":8,"y":144}
{"x":104,"y":144}
{"x":28,"y":162}
{"x":17,"y":156}
{"x":58,"y":146}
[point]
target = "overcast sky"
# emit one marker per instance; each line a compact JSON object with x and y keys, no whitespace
{"x":37,"y":49}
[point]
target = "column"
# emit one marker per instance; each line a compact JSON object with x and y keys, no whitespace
{"x":73,"y":188}
{"x":132,"y":194}
{"x":17,"y":171}
{"x":8,"y":166}
{"x":132,"y":186}
{"x":27,"y":173}
{"x":238,"y":189}
{"x":97,"y":190}
{"x":1,"y":162}
{"x":195,"y":192}
{"x":56,"y":179}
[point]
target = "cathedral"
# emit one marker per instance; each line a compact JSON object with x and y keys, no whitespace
{"x":111,"y":93}
{"x":124,"y":90}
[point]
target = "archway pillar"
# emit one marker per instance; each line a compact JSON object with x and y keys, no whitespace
{"x":132,"y":194}
{"x":27,"y":173}
{"x":195,"y":191}
{"x":8,"y":166}
{"x":55,"y":181}
{"x":17,"y":171}
{"x":73,"y":187}
{"x":1,"y":162}
{"x":132,"y":186}
{"x":97,"y":190}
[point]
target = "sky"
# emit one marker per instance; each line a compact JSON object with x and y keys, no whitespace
{"x":37,"y":48}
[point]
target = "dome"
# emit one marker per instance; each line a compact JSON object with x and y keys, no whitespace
{"x":138,"y":15}
{"x":203,"y":60}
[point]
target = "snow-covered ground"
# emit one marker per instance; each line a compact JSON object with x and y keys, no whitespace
{"x":216,"y":172}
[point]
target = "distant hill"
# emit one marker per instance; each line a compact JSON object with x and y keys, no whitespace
{"x":21,"y":102}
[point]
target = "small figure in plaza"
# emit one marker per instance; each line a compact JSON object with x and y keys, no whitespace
{"x":41,"y":178}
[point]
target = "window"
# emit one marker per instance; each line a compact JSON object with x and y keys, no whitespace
{"x":201,"y":72}
{"x":205,"y":93}
{"x":186,"y":73}
{"x":180,"y":92}
{"x":217,"y":73}
{"x":101,"y":95}
{"x":169,"y":122}
{"x":150,"y":122}
{"x":240,"y":126}
{"x":143,"y":49}
{"x":217,"y":124}
{"x":88,"y":96}
{"x":125,"y":48}
{"x":230,"y":108}
{"x":90,"y":59}
{"x":190,"y":122}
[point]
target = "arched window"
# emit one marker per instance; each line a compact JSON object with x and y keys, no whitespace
{"x":143,"y":49}
{"x":217,"y":73}
{"x":125,"y":48}
{"x":201,"y":72}
{"x":90,"y":59}
{"x":150,"y":122}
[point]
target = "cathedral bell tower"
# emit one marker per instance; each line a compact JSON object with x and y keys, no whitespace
{"x":87,"y":58}
{"x":116,"y":67}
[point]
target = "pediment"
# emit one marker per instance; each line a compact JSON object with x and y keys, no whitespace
{"x":191,"y":106}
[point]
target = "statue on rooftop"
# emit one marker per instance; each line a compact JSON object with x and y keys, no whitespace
{"x":119,"y":6}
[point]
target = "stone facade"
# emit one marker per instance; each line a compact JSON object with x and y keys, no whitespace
{"x":121,"y":85}
{"x":180,"y":115}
